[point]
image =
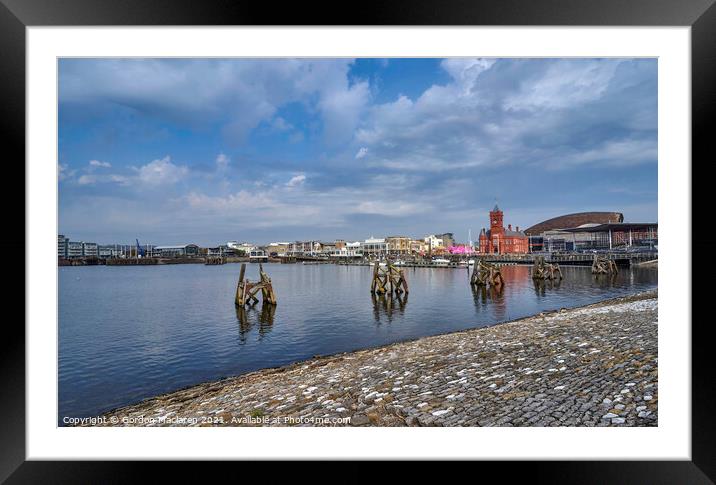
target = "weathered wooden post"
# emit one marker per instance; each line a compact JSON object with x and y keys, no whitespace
{"x":240,"y":286}
{"x":374,"y":281}
{"x":486,"y":274}
{"x":604,"y":266}
{"x":267,"y":287}
{"x":542,"y":270}
{"x":389,"y":277}
{"x":404,"y":281}
{"x":388,"y":280}
{"x":246,"y":291}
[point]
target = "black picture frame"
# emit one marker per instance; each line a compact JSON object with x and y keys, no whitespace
{"x":16,"y":15}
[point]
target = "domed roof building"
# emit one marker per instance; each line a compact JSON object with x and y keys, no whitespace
{"x":583,"y":219}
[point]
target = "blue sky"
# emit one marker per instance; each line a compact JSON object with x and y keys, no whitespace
{"x":210,"y":150}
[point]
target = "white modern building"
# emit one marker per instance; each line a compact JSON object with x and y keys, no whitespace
{"x":62,"y":242}
{"x":433,"y":242}
{"x":243,"y":246}
{"x":350,"y":250}
{"x":74,"y":249}
{"x":89,"y":250}
{"x":375,"y":246}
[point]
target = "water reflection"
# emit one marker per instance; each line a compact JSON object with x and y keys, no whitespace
{"x":492,"y":297}
{"x":387,"y":304}
{"x":249,"y":317}
{"x":608,"y":280}
{"x":542,"y":286}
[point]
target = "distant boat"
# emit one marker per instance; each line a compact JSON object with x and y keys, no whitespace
{"x":441,"y":261}
{"x":399,"y":263}
{"x":471,"y":262}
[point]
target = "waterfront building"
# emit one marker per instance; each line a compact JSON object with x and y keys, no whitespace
{"x":347,"y":250}
{"x":74,"y":249}
{"x":328,"y":248}
{"x":418,"y":246}
{"x":62,"y":246}
{"x":89,"y":250}
{"x":498,"y":240}
{"x":244,"y":246}
{"x":221,"y":250}
{"x":448,"y":239}
{"x":548,"y":235}
{"x":433,"y":242}
{"x":258,"y":256}
{"x":620,"y":235}
{"x":354,"y":249}
{"x":374,"y":246}
{"x":176,"y":250}
{"x":305,"y":248}
{"x":398,"y":245}
{"x":107,"y":252}
{"x":275,"y":249}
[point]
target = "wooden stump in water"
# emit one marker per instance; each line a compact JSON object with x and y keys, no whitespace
{"x":542,"y":270}
{"x":246,"y":291}
{"x":604,"y":266}
{"x":388,"y":280}
{"x":486,"y":274}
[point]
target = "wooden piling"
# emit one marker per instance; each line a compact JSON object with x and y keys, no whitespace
{"x":390,"y":280}
{"x":542,"y":270}
{"x":604,"y":266}
{"x":486,"y":274}
{"x":246,"y":291}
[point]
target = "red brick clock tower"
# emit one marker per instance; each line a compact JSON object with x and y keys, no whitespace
{"x":496,"y":226}
{"x":500,"y":240}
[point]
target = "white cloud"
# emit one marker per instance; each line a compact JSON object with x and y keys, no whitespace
{"x":295,"y":181}
{"x":161,"y":172}
{"x":391,"y":208}
{"x":466,"y":71}
{"x":64,"y":172}
{"x":342,"y":109}
{"x":564,"y":85}
{"x":98,"y":163}
{"x":238,"y":95}
{"x":87,"y":180}
{"x":280,"y":124}
{"x":222,"y":161}
{"x":515,"y":112}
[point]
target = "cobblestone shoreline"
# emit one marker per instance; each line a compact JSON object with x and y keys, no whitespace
{"x":589,"y":366}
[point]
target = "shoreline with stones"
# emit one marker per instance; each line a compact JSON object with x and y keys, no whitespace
{"x":594,"y":365}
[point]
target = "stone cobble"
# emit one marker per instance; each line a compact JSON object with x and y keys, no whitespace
{"x":590,"y":366}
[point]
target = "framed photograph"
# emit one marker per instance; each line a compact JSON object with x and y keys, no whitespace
{"x":430,"y":234}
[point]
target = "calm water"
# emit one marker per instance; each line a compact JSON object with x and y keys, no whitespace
{"x":128,"y":333}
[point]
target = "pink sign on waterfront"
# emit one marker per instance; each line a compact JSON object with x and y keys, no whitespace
{"x":461,"y":249}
